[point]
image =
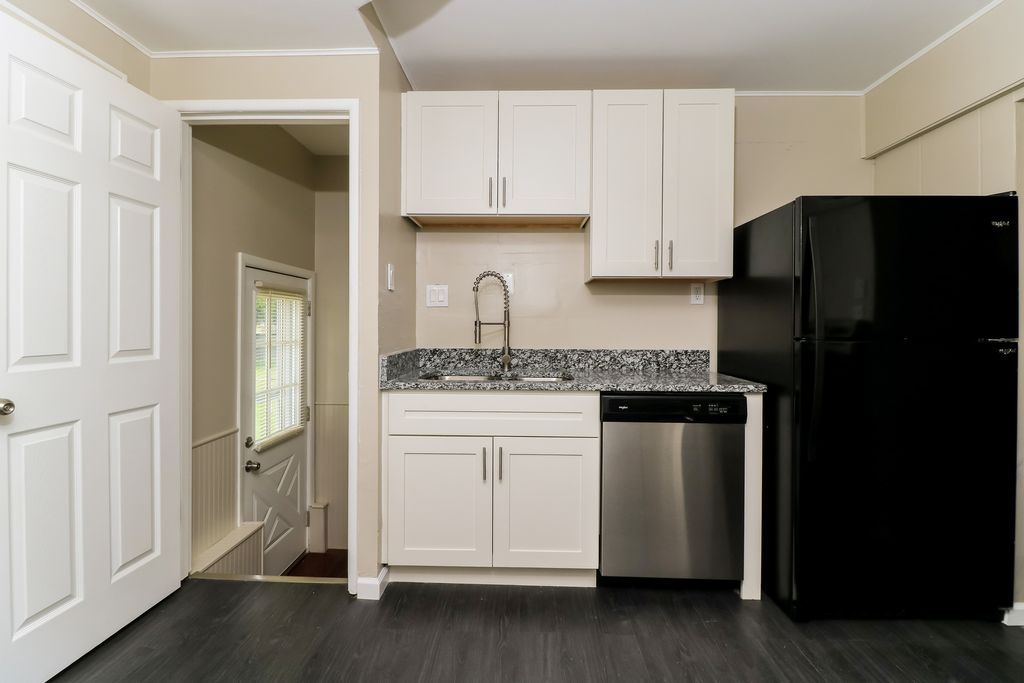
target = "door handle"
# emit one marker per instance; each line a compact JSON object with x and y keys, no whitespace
{"x":657,"y":247}
{"x":501,"y":454}
{"x":504,"y":192}
{"x":484,"y":461}
{"x":6,"y":406}
{"x":252,"y":466}
{"x":249,"y":442}
{"x":490,"y":192}
{"x":670,"y":250}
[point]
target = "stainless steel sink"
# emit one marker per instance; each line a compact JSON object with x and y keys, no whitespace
{"x":438,"y":377}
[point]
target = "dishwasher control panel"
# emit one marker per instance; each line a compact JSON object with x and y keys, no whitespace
{"x":704,"y":408}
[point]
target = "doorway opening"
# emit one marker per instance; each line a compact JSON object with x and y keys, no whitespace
{"x":270,"y":216}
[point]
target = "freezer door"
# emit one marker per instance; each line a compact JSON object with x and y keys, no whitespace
{"x":921,"y":268}
{"x":905,"y":478}
{"x":672,"y":500}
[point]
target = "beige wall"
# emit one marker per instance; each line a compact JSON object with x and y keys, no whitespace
{"x":74,"y":24}
{"x":970,"y":67}
{"x":785,"y":146}
{"x":331,"y":400}
{"x":238,"y":205}
{"x":972,"y":154}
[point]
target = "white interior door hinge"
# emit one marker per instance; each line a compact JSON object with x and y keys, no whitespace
{"x":305,"y":413}
{"x":309,"y":308}
{"x":307,"y":518}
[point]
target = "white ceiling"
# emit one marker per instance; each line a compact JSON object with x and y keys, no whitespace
{"x":321,"y":139}
{"x":759,"y":45}
{"x":237,"y":25}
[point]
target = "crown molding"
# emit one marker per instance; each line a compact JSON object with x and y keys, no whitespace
{"x":799,"y":93}
{"x":934,"y":44}
{"x":184,"y":54}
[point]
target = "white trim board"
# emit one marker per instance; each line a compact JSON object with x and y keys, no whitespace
{"x":496,"y":576}
{"x":372,"y":588}
{"x":1014,"y":615}
{"x":326,"y":110}
{"x":179,"y":54}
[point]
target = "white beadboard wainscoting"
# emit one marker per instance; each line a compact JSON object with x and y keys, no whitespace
{"x":214,"y":492}
{"x":331,"y":463}
{"x":243,"y":553}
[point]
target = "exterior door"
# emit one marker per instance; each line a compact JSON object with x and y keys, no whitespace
{"x":451,"y":152}
{"x":625,"y":222}
{"x":698,"y":183}
{"x":546,"y":507}
{"x":439,"y":500}
{"x":544,"y":152}
{"x":275,"y":412}
{"x":90,"y":247}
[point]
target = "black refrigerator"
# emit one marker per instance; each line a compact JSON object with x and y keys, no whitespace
{"x":886,"y":331}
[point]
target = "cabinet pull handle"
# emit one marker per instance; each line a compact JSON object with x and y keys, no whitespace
{"x":490,"y":192}
{"x":657,"y":261}
{"x":484,"y":461}
{"x":670,"y":254}
{"x":504,"y":192}
{"x":501,"y":454}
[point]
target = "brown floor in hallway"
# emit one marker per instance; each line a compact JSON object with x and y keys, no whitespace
{"x":330,"y":565}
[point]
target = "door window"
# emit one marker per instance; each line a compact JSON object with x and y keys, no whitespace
{"x":278,"y":365}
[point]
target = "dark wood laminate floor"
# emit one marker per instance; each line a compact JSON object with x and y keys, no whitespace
{"x":245,"y":631}
{"x":332,"y":564}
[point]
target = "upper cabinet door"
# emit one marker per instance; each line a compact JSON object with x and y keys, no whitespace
{"x":698,"y":183}
{"x":451,"y":152}
{"x":625,"y":221}
{"x":544,"y":152}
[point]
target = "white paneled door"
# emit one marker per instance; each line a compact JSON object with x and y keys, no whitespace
{"x":89,"y":353}
{"x":274,"y":412}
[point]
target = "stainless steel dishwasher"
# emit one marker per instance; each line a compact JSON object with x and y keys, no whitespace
{"x":672,"y":485}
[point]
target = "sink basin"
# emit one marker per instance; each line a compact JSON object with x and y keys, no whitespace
{"x":438,"y":377}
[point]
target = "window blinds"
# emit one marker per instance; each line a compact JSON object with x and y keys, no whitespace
{"x":279,"y":364}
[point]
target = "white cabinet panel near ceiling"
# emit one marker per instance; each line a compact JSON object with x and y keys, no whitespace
{"x":544,"y":152}
{"x":698,"y":183}
{"x":450,"y":152}
{"x":625,"y":222}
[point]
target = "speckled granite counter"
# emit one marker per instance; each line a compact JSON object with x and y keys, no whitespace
{"x":590,"y":370}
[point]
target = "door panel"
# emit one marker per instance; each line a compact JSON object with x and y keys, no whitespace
{"x":451,"y":152}
{"x":90,"y":510}
{"x":905,"y":493}
{"x":544,"y":152}
{"x":888,"y":268}
{"x":439,"y":501}
{"x":546,"y":502}
{"x":625,"y":221}
{"x":698,"y":183}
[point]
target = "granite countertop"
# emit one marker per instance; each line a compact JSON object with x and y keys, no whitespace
{"x":589,"y":369}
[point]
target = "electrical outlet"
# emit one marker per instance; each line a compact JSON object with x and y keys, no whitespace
{"x":391,"y":277}
{"x":510,"y":281}
{"x":697,"y":293}
{"x":437,"y":296}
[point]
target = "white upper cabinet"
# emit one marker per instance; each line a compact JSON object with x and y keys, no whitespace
{"x":544,"y":152}
{"x":663,"y":184}
{"x":698,"y":183}
{"x":451,"y":152}
{"x":492,"y":154}
{"x":625,"y":221}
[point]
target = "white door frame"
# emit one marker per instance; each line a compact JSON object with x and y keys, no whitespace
{"x":226,"y":112}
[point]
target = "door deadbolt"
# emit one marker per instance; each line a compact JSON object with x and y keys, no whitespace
{"x":249,"y":442}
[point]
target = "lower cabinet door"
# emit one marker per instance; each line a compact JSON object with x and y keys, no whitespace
{"x":546,"y":502}
{"x":439,"y":500}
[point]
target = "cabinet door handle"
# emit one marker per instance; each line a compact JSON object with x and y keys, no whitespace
{"x":657,"y":260}
{"x":670,"y":254}
{"x":484,"y":460}
{"x":490,"y":192}
{"x":501,"y":453}
{"x":504,"y":192}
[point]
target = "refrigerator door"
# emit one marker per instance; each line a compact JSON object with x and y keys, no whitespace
{"x":920,"y":268}
{"x":905,"y":479}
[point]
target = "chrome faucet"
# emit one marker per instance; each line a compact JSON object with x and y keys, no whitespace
{"x":506,"y":351}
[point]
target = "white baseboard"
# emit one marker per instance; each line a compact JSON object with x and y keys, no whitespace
{"x":372,"y":588}
{"x":496,"y":576}
{"x":1015,"y":615}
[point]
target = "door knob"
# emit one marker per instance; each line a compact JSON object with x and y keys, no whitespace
{"x":252,"y":466}
{"x":6,"y":406}
{"x":249,"y":442}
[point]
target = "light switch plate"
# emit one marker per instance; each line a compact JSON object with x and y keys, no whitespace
{"x":697,"y":293}
{"x":510,"y":281}
{"x":437,"y":296}
{"x":391,"y":277}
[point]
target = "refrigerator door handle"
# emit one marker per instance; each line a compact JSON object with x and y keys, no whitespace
{"x":819,"y":327}
{"x":816,"y":404}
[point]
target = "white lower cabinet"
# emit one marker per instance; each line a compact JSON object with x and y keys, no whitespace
{"x":546,"y":502}
{"x":439,"y":502}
